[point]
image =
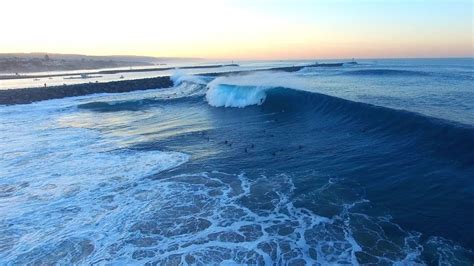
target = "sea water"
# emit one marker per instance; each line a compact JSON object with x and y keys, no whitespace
{"x":360,"y":164}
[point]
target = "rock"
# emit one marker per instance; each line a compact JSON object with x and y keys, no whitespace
{"x":29,"y":95}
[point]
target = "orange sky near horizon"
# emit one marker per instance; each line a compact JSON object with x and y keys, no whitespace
{"x":232,"y":29}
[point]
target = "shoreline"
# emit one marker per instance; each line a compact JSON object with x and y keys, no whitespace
{"x":36,"y":94}
{"x":113,"y":71}
{"x":30,"y":95}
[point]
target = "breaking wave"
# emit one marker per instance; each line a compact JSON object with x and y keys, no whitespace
{"x":450,"y":138}
{"x":95,"y":199}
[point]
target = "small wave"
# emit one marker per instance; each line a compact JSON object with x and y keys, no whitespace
{"x":184,"y":92}
{"x":384,"y":72}
{"x":116,"y":106}
{"x":134,"y":105}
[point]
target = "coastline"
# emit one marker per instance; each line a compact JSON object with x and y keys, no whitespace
{"x":30,"y":95}
{"x":310,"y":118}
{"x":112,"y":71}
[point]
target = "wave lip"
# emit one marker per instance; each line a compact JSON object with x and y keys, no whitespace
{"x":224,"y":95}
{"x":447,"y":139}
{"x":179,"y":77}
{"x":251,"y":89}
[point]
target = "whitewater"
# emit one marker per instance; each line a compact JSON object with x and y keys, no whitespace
{"x":360,"y":164}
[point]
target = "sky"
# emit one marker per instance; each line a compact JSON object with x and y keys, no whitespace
{"x":240,"y":29}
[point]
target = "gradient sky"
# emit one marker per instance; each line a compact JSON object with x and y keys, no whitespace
{"x":240,"y":29}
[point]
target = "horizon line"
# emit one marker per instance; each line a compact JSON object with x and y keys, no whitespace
{"x":249,"y":59}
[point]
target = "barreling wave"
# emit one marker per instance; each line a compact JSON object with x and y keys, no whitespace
{"x":445,"y":137}
{"x":225,"y":95}
{"x":250,"y":89}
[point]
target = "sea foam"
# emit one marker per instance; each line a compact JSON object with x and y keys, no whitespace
{"x":66,"y":190}
{"x":244,"y":90}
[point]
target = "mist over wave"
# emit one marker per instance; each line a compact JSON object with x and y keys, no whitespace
{"x":250,"y":89}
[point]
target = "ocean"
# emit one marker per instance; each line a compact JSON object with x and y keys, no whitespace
{"x":369,"y":163}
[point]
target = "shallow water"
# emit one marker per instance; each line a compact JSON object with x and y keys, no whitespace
{"x":363,"y":164}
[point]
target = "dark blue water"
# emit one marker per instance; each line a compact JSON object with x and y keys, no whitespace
{"x":369,"y":163}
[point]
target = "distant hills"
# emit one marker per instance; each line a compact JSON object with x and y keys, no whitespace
{"x":41,"y":62}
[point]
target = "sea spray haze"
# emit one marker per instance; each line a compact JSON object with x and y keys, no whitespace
{"x":250,"y":88}
{"x":363,"y":164}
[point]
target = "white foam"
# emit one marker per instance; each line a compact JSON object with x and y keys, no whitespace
{"x":63,"y":187}
{"x":223,"y":95}
{"x":179,"y":77}
{"x":250,"y":89}
{"x":75,"y":196}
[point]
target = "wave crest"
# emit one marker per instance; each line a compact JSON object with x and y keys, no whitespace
{"x":179,"y":77}
{"x":244,"y":90}
{"x":223,"y":95}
